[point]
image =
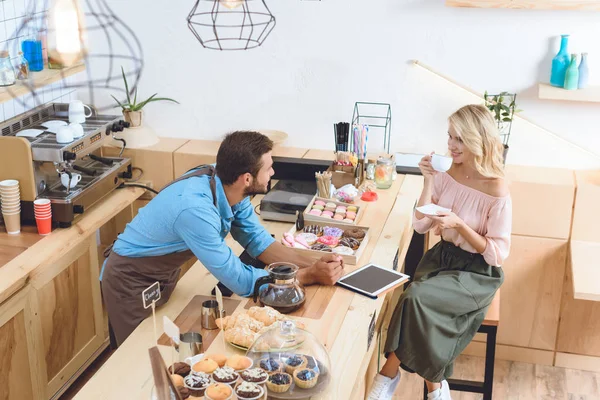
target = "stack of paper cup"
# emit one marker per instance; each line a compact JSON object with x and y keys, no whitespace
{"x":43,"y":216}
{"x":10,"y":200}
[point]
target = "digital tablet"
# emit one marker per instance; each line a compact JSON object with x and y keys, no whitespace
{"x":372,"y":280}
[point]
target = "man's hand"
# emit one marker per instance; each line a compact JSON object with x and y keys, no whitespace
{"x":325,"y":271}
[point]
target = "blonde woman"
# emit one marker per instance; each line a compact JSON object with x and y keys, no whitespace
{"x":455,"y":282}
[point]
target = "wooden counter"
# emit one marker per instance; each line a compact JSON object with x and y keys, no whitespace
{"x":51,"y":314}
{"x":342,"y":328}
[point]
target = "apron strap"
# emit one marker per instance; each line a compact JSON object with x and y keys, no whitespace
{"x":200,"y":170}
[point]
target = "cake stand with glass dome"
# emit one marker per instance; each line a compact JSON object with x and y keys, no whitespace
{"x":297,"y":363}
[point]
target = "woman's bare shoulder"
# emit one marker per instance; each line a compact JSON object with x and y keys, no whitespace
{"x":497,"y":187}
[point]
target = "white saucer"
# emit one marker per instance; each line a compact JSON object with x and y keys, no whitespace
{"x":431,"y":209}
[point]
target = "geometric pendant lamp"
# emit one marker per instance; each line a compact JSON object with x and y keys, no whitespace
{"x":231,"y":24}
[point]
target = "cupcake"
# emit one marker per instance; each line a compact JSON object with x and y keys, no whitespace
{"x":279,"y":382}
{"x":180,"y":368}
{"x":254,"y":375}
{"x":197,"y":383}
{"x":239,"y":363}
{"x":206,"y":366}
{"x":225,"y":375}
{"x":218,"y":391}
{"x":270,"y":365}
{"x":295,"y":361}
{"x":184,"y":392}
{"x":177,"y":380}
{"x":220,"y":359}
{"x":249,"y":390}
{"x":305,"y":378}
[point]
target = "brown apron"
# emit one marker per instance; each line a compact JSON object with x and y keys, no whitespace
{"x":125,"y":278}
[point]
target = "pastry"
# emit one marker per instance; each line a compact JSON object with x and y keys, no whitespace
{"x":330,"y":210}
{"x":338,"y":217}
{"x":225,"y":375}
{"x":330,"y":205}
{"x":320,"y":247}
{"x":242,"y":320}
{"x":319,"y":203}
{"x":239,"y":363}
{"x":315,"y":212}
{"x":301,"y":243}
{"x":328,"y":240}
{"x":197,"y":383}
{"x":355,"y":233}
{"x":305,"y":378}
{"x":316,"y":229}
{"x":346,"y":251}
{"x":220,"y":359}
{"x":333,"y":231}
{"x":327,"y":213}
{"x":279,"y":382}
{"x":318,"y":207}
{"x":354,"y":244}
{"x":206,"y":366}
{"x":177,"y":380}
{"x":294,"y":362}
{"x":267,"y":315}
{"x":348,"y":220}
{"x":270,"y":365}
{"x":180,"y":368}
{"x":255,"y":375}
{"x":352,"y":208}
{"x":218,"y":391}
{"x":351,"y":215}
{"x":341,"y":209}
{"x":309,"y":238}
{"x":184,"y":392}
{"x":241,"y":336}
{"x":248,"y":390}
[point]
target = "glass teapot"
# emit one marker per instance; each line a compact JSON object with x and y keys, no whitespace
{"x":283,"y":292}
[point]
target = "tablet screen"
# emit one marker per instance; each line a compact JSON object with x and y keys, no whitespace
{"x":372,"y":279}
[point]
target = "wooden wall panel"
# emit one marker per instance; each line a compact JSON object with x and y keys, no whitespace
{"x":15,"y":381}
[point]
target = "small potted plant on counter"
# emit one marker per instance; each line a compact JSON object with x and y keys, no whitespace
{"x":502,"y":106}
{"x":132,"y":110}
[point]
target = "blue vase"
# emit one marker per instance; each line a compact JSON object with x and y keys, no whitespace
{"x":583,"y":72}
{"x":560,"y":63}
{"x":572,"y":74}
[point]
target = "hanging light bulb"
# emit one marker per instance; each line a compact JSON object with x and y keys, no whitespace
{"x":67,"y":42}
{"x":231,"y":4}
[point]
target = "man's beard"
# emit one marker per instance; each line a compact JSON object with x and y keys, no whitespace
{"x":254,"y":189}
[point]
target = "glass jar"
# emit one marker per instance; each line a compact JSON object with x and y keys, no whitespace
{"x":384,"y":173}
{"x":7,"y":72}
{"x":371,"y":170}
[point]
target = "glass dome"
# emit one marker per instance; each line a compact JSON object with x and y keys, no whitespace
{"x":297,"y":363}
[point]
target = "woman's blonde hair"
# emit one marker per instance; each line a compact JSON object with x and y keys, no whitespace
{"x":475,"y":125}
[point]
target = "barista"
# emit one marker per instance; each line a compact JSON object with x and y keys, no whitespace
{"x":191,"y":217}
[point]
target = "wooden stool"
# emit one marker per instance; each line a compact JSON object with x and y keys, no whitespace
{"x":489,"y":326}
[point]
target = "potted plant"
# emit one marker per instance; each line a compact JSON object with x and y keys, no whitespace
{"x":502,"y":106}
{"x":132,"y":111}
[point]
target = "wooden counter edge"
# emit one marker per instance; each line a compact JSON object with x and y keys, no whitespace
{"x":16,"y":273}
{"x":584,"y":271}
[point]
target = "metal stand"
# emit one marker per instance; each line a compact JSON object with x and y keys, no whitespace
{"x":375,"y":115}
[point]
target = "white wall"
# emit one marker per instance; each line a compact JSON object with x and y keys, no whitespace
{"x":323,"y":56}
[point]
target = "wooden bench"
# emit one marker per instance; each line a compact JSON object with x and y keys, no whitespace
{"x":489,"y":326}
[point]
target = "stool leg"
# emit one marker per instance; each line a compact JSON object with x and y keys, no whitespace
{"x":490,"y":355}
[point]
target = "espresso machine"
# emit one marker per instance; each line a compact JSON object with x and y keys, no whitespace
{"x":38,"y":161}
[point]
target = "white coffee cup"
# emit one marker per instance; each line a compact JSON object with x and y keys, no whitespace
{"x":75,"y":178}
{"x":441,"y":163}
{"x":77,"y":111}
{"x":77,"y":129}
{"x":64,"y":134}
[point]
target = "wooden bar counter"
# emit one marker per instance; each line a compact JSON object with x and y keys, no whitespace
{"x":339,"y":318}
{"x":51,"y":315}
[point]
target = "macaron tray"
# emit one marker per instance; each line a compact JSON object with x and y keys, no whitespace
{"x":324,"y":210}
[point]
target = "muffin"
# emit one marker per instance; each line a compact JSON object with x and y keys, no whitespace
{"x":239,"y":363}
{"x":180,"y":368}
{"x":218,"y":391}
{"x":305,"y":378}
{"x":220,"y":359}
{"x":293,"y":362}
{"x":184,"y":392}
{"x":279,"y":382}
{"x":207,"y":366}
{"x":177,"y":380}
{"x":270,"y":365}
{"x":225,"y":375}
{"x":197,"y":383}
{"x":248,"y":390}
{"x":254,"y":375}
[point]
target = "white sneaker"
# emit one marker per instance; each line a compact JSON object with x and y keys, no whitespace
{"x":442,"y":393}
{"x":383,"y":387}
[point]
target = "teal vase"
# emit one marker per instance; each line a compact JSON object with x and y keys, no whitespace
{"x":560,"y":63}
{"x":572,"y":74}
{"x":583,"y":72}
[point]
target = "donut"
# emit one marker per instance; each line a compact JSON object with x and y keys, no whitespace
{"x":316,"y":229}
{"x":352,"y":208}
{"x":309,"y":238}
{"x":349,"y":242}
{"x":319,"y":203}
{"x":321,"y":247}
{"x":355,"y":233}
{"x":333,"y":231}
{"x":328,"y":240}
{"x":346,"y":251}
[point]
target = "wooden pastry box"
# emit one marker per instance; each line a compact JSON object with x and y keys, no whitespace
{"x":315,"y":254}
{"x":309,"y":217}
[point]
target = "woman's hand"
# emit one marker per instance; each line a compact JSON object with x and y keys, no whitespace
{"x":447,"y":220}
{"x":426,"y":168}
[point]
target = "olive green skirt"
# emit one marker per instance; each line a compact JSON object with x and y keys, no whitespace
{"x":442,"y":309}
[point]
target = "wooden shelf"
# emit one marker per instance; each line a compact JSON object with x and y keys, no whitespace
{"x":590,"y":5}
{"x":42,"y":78}
{"x":549,"y":92}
